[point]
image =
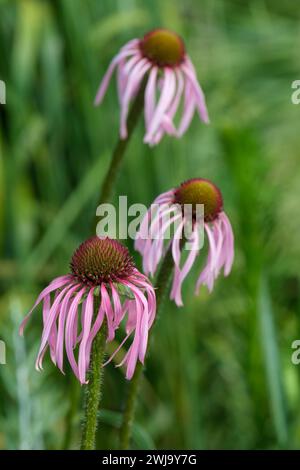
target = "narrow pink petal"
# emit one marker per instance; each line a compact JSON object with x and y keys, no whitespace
{"x":146,"y":228}
{"x":121,"y":78}
{"x":154,"y":252}
{"x":199,"y":95}
{"x":214,"y":260}
{"x":130,"y":64}
{"x":164,"y":102}
{"x":106,"y":79}
{"x":141,"y":312}
{"x":89,"y":311}
{"x":212,"y":246}
{"x":131,"y":316}
{"x":167,"y":197}
{"x":180,"y":275}
{"x":176,"y":252}
{"x":46,"y":310}
{"x":53,"y":313}
{"x":143,"y":233}
{"x":78,"y":337}
{"x":55,"y":284}
{"x":117,"y":350}
{"x":134,"y":80}
{"x":167,"y":123}
{"x":141,"y":337}
{"x":69,"y":330}
{"x":118,"y":312}
{"x":109,"y":313}
{"x":219,"y":237}
{"x":180,"y":87}
{"x":143,"y":282}
{"x":95,"y":329}
{"x":157,"y":228}
{"x":61,"y":327}
{"x":150,"y":96}
{"x":188,"y":110}
{"x":205,"y":278}
{"x":133,"y":351}
{"x":229,"y":247}
{"x":132,"y":45}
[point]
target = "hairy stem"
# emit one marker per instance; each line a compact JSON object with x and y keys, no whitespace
{"x":93,"y":390}
{"x":162,"y":287}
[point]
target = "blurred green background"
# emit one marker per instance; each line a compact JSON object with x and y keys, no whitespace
{"x":220,"y":373}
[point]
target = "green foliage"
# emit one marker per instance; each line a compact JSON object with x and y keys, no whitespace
{"x":219,"y":374}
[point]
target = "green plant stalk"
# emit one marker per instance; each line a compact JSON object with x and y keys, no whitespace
{"x":120,"y":148}
{"x":93,"y":389}
{"x":162,"y":287}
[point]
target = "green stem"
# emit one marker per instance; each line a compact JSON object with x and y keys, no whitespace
{"x":120,"y":148}
{"x":162,"y":287}
{"x":93,"y":390}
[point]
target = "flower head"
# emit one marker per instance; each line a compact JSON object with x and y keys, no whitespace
{"x":103,"y":286}
{"x":158,"y":59}
{"x":169,"y":212}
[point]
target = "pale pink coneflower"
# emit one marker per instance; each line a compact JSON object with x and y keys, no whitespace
{"x":104,"y":285}
{"x":217,"y":227}
{"x":158,"y":59}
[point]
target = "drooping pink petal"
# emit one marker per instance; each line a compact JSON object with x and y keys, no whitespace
{"x":188,"y":110}
{"x":94,"y":331}
{"x":131,"y":357}
{"x":176,"y":252}
{"x":156,"y":251}
{"x":221,"y":252}
{"x":167,"y":124}
{"x":61,"y":326}
{"x":229,"y":244}
{"x":117,"y":350}
{"x":109,"y":313}
{"x":143,"y":282}
{"x":167,"y":93}
{"x":82,"y":360}
{"x":139,"y":344}
{"x":55,"y":284}
{"x":167,"y":197}
{"x":121,"y":78}
{"x":153,"y":251}
{"x":134,"y":80}
{"x":150,"y":96}
{"x":180,"y":275}
{"x":51,"y":318}
{"x":131,"y":318}
{"x":189,"y":70}
{"x":106,"y":79}
{"x":69,"y":330}
{"x":46,"y":310}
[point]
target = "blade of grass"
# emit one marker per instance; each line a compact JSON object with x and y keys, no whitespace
{"x":272,"y":362}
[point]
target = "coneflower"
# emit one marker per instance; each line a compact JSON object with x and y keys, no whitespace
{"x":104,"y":286}
{"x":160,"y":60}
{"x":150,"y":240}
